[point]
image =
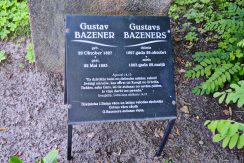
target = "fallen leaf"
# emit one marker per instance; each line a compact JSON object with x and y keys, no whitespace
{"x":182,"y":71}
{"x":177,"y":39}
{"x":200,"y":142}
{"x":119,"y":152}
{"x":171,"y":136}
{"x":230,"y":111}
{"x":183,"y":103}
{"x":177,"y":131}
{"x":91,"y":135}
{"x":158,"y":133}
{"x":180,"y":60}
{"x":185,"y":109}
{"x":3,"y":129}
{"x":226,"y":112}
{"x":18,"y":153}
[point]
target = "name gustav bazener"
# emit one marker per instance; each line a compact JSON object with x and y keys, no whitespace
{"x":137,"y":32}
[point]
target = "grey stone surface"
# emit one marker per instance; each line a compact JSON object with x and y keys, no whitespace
{"x":47,"y":22}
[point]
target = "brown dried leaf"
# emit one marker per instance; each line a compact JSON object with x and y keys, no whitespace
{"x":158,"y":133}
{"x":3,"y":129}
{"x":171,"y":136}
{"x":177,"y":131}
{"x":185,"y":109}
{"x":177,"y":39}
{"x":226,"y":112}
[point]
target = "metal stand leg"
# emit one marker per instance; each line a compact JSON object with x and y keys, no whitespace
{"x":165,"y":137}
{"x":70,"y":127}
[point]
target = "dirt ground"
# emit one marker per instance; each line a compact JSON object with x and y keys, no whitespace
{"x":34,"y":116}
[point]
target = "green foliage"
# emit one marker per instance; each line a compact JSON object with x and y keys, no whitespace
{"x":194,"y":14}
{"x":224,"y":25}
{"x":52,"y":157}
{"x":236,"y":55}
{"x":233,"y":95}
{"x":231,"y":133}
{"x":3,"y":56}
{"x":173,"y":9}
{"x":222,"y":74}
{"x":222,"y":20}
{"x":205,"y":67}
{"x":221,"y":24}
{"x":14,"y":18}
{"x":191,"y":36}
{"x":168,"y":161}
{"x":200,"y":56}
{"x":15,"y":159}
{"x":241,"y":43}
{"x":30,"y":55}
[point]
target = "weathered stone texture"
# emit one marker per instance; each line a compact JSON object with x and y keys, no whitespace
{"x":47,"y":22}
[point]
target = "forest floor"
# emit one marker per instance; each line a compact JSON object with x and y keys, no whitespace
{"x":33,"y":120}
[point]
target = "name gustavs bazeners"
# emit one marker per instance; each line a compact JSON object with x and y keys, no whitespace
{"x":136,"y":32}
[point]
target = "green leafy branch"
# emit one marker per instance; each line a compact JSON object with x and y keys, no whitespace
{"x":231,"y":133}
{"x":241,"y":43}
{"x":199,"y":56}
{"x":233,"y":95}
{"x":205,"y":67}
{"x":224,"y":25}
{"x":51,"y":157}
{"x":218,"y":79}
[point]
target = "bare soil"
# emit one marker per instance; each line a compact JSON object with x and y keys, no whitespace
{"x":33,"y":121}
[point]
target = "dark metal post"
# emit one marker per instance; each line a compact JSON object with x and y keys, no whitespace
{"x":70,"y":128}
{"x":165,"y":137}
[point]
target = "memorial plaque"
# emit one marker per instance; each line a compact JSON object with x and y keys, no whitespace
{"x":119,"y":68}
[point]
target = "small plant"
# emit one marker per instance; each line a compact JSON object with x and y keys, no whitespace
{"x":30,"y":55}
{"x":14,"y":18}
{"x":188,"y":64}
{"x":168,"y":161}
{"x":191,"y":36}
{"x":52,"y":157}
{"x":228,"y":131}
{"x":233,"y":95}
{"x":3,"y":56}
{"x":174,"y":9}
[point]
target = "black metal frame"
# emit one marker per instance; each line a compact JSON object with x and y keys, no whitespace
{"x":165,"y":137}
{"x":158,"y":153}
{"x":70,"y":128}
